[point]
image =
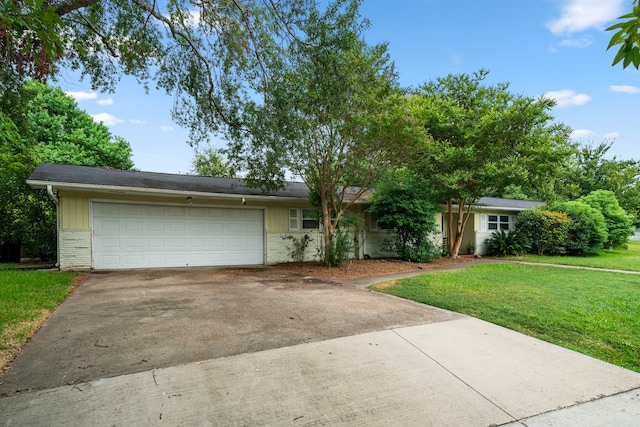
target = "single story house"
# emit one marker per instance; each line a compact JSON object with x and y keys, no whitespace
{"x":119,"y":219}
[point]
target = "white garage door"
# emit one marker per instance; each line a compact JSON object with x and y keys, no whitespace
{"x":139,"y":236}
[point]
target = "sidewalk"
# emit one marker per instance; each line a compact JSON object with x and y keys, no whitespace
{"x":462,"y":372}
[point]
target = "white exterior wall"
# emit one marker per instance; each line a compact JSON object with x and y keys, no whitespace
{"x":483,"y":234}
{"x":277,"y":247}
{"x":75,"y":249}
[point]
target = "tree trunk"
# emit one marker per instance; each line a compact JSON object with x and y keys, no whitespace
{"x":455,"y":240}
{"x":450,"y":234}
{"x":327,"y":229}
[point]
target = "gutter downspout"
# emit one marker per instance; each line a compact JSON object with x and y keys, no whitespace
{"x":57,"y":203}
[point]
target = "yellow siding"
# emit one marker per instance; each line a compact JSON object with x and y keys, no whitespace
{"x":277,"y":220}
{"x":74,"y":213}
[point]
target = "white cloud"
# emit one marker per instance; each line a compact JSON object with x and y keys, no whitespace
{"x":612,"y":135}
{"x":580,"y":15}
{"x":567,"y":98}
{"x":582,"y":134}
{"x":624,"y":89}
{"x":137,"y":122}
{"x":166,"y":128}
{"x":580,"y":43}
{"x":82,"y":96}
{"x":107,"y":101}
{"x":106,"y":118}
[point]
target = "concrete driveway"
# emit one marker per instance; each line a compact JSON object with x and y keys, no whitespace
{"x":208,"y":347}
{"x":131,"y":321}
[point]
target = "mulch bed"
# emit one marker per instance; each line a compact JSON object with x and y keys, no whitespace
{"x":361,"y":267}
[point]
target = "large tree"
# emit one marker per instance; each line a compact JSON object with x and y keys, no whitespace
{"x":590,"y":169}
{"x":207,"y":54}
{"x":52,"y":129}
{"x":327,"y":115}
{"x":479,"y":139}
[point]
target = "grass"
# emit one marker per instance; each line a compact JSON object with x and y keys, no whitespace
{"x":26,"y":300}
{"x":614,"y":259}
{"x":595,"y":313}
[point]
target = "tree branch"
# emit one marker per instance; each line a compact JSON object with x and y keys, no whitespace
{"x":176,"y":33}
{"x":67,"y":6}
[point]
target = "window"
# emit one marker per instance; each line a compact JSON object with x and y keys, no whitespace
{"x":498,"y":222}
{"x":293,"y":219}
{"x":310,"y":219}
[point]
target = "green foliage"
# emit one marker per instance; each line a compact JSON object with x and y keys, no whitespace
{"x":590,"y":169}
{"x":209,"y":162}
{"x":627,"y":35}
{"x":545,"y":230}
{"x":588,"y":230}
{"x":504,"y":243}
{"x":619,"y":224}
{"x":29,"y":40}
{"x":408,"y":209}
{"x":593,"y":312}
{"x":340,"y":247}
{"x":482,"y":138}
{"x":210,"y":61}
{"x":52,"y":129}
{"x":325,"y":117}
{"x":66,"y":134}
{"x":298,"y":246}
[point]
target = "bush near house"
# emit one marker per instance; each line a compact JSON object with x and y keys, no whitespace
{"x":409,"y":212}
{"x":543,"y":229}
{"x":504,"y":243}
{"x":587,"y":231}
{"x":619,"y":224}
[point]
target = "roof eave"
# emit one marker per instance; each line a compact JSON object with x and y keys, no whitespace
{"x":116,"y":189}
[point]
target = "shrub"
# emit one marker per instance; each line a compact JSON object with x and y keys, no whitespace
{"x":299,"y":246}
{"x":544,"y":230}
{"x":341,"y":243}
{"x":504,"y":243}
{"x":588,"y":230}
{"x":409,"y":211}
{"x":619,"y":224}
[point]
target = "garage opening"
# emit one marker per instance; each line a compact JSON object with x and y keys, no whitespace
{"x":128,"y":235}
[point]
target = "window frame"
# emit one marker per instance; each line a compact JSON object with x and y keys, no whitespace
{"x":309,"y":215}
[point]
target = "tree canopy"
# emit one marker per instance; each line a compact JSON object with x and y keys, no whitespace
{"x":327,"y":118}
{"x":209,"y":55}
{"x":590,"y":169}
{"x":52,"y":129}
{"x":481,"y":138}
{"x":210,"y":162}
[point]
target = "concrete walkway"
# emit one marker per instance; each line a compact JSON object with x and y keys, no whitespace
{"x":462,"y":372}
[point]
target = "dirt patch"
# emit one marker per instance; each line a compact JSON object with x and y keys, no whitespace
{"x":361,"y":267}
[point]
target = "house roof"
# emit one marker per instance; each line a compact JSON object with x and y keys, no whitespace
{"x":506,"y":204}
{"x":101,"y":179}
{"x":104,"y":179}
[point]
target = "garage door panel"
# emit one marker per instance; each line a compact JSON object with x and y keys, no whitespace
{"x":155,"y":226}
{"x":134,"y":236}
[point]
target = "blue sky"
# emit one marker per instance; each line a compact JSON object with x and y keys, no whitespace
{"x":555,"y":48}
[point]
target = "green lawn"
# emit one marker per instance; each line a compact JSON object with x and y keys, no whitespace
{"x":628,"y":259}
{"x":26,"y":299}
{"x":596,"y":313}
